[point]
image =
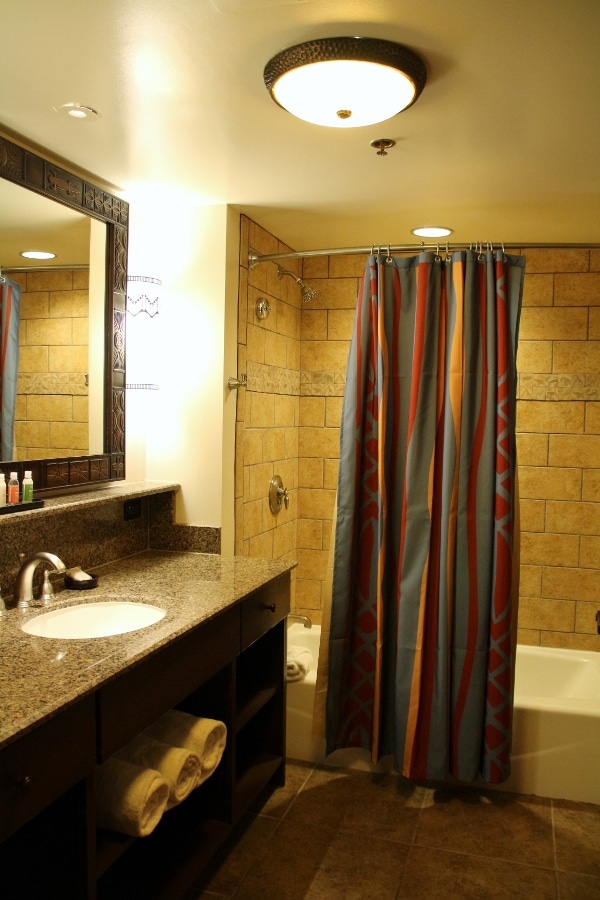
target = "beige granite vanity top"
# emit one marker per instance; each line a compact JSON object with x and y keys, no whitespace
{"x":39,"y":676}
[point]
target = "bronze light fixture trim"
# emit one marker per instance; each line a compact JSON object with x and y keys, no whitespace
{"x":345,"y":82}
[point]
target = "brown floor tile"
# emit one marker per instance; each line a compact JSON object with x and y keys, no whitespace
{"x":382,"y":806}
{"x":455,"y":876}
{"x":578,"y":887}
{"x":277,"y":802}
{"x":285,"y":871}
{"x":488,"y":823}
{"x":577,"y":836}
{"x":238,"y":855}
{"x":361,"y":867}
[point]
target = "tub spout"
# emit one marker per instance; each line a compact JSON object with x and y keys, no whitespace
{"x":304,"y":619}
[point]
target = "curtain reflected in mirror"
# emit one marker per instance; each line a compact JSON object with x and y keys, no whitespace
{"x":10,"y":299}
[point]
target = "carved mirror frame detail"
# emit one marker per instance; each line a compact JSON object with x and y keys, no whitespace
{"x":25,"y":168}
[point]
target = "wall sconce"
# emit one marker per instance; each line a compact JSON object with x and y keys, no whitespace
{"x":345,"y":82}
{"x":143,"y":294}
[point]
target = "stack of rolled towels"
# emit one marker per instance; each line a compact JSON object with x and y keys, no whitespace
{"x":299,"y":661}
{"x":156,"y":771}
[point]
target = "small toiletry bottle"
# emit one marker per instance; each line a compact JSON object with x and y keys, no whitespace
{"x":13,"y":489}
{"x":2,"y":489}
{"x":27,"y":488}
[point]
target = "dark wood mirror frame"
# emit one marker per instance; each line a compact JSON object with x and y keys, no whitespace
{"x":25,"y":168}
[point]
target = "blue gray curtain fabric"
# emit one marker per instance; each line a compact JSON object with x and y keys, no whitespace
{"x":425,"y":590}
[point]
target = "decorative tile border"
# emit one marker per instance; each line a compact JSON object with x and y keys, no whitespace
{"x":52,"y":383}
{"x":322,"y":384}
{"x":558,"y":387}
{"x":272,"y":379}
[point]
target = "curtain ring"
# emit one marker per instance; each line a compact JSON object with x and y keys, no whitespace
{"x":389,"y":255}
{"x":448,"y":254}
{"x":437,"y":257}
{"x":504,"y":258}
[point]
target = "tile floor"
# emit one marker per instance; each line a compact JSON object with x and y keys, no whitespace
{"x":344,"y":834}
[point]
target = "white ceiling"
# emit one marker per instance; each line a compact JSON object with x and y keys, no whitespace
{"x":503,"y":143}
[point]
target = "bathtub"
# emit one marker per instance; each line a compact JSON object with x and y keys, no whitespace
{"x":556,"y":722}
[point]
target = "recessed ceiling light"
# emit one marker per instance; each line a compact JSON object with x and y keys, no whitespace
{"x":77,"y":111}
{"x":37,"y":254}
{"x":432,"y":231}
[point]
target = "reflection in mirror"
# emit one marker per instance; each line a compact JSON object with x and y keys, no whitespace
{"x":70,"y":408}
{"x":59,"y":378}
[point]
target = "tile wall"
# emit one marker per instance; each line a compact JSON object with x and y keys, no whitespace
{"x":52,"y":394}
{"x":558,"y":422}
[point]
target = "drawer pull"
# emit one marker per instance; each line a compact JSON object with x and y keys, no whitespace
{"x":24,"y":785}
{"x":270,"y":606}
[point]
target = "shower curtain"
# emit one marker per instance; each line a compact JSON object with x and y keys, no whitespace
{"x":10,"y":301}
{"x":425,"y":582}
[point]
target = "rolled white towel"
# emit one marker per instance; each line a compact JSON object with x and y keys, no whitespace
{"x":178,"y":766}
{"x":299,"y":661}
{"x":205,"y":737}
{"x":129,"y":799}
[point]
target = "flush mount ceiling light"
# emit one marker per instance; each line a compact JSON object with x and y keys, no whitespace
{"x":345,"y":82}
{"x":432,"y":231}
{"x":77,"y":111}
{"x":37,"y":254}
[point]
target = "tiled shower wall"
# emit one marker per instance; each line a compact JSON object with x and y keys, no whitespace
{"x":52,"y":394}
{"x":558,"y":430}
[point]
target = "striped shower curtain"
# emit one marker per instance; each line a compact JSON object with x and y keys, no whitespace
{"x":10,"y":302}
{"x":425,"y":590}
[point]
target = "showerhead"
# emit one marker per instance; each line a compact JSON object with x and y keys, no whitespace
{"x":307,"y":293}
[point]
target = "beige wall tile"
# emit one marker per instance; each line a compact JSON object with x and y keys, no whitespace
{"x":312,"y":411}
{"x":592,"y":419}
{"x":261,"y":545}
{"x":276,"y":349}
{"x":573,"y":450}
{"x":571,"y":584}
{"x":591,"y":485}
{"x":274,"y":443}
{"x":594,"y":260}
{"x":565,"y":260}
{"x":585,"y":617}
{"x":260,"y":410}
{"x":528,"y":637}
{"x":32,"y":434}
{"x":308,"y":594}
{"x":339,"y":293}
{"x":255,"y":343}
{"x":286,"y":411}
{"x":253,"y":519}
{"x":577,"y":290}
{"x":315,"y":504}
{"x":347,"y":265}
{"x":538,"y":290}
{"x":68,"y":359}
{"x":530,"y":584}
{"x":287,"y":469}
{"x":49,"y":331}
{"x":288,"y":320}
{"x":594,"y":333}
{"x":314,"y":325}
{"x":568,"y":641}
{"x":543,"y":324}
{"x":312,"y":563}
{"x":35,"y":306}
{"x":310,"y":472}
{"x":333,"y":411}
{"x":323,"y":442}
{"x":310,"y":534}
{"x":573,"y":356}
{"x":253,"y":446}
{"x":558,"y":615}
{"x":315,"y":267}
{"x":72,"y":435}
{"x":545,"y":416}
{"x":542,"y":483}
{"x":52,"y":408}
{"x":547,"y":549}
{"x":533,"y":515}
{"x":58,"y":280}
{"x":532,"y":449}
{"x":81,"y":331}
{"x":72,"y":304}
{"x":284,"y":539}
{"x":590,"y":553}
{"x":340,"y":324}
{"x":534,"y":356}
{"x":572,"y":518}
{"x":319,"y":356}
{"x":330,"y":473}
{"x":259,"y":480}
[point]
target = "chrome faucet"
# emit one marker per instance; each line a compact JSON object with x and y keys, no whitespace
{"x":24,"y":582}
{"x":304,"y":619}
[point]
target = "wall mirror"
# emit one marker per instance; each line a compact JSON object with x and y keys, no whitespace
{"x":91,"y":225}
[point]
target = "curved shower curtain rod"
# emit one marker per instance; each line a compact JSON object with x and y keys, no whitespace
{"x":255,"y":258}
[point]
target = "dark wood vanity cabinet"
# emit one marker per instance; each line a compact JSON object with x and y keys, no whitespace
{"x":231,"y":668}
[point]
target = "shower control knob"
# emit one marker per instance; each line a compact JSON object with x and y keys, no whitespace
{"x":278,"y":495}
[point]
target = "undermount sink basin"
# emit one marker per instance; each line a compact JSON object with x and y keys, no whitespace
{"x":94,"y":620}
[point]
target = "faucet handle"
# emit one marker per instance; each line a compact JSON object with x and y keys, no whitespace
{"x":47,"y":592}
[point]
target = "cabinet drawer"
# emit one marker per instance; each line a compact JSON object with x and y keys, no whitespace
{"x":264,"y":608}
{"x":135,"y":699}
{"x":42,"y":765}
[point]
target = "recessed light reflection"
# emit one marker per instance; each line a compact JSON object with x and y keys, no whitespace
{"x":38,"y":254}
{"x":432,"y":231}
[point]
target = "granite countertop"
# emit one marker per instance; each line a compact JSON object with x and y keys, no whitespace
{"x":39,"y":676}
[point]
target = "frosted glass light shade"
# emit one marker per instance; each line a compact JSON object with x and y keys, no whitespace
{"x":345,"y":82}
